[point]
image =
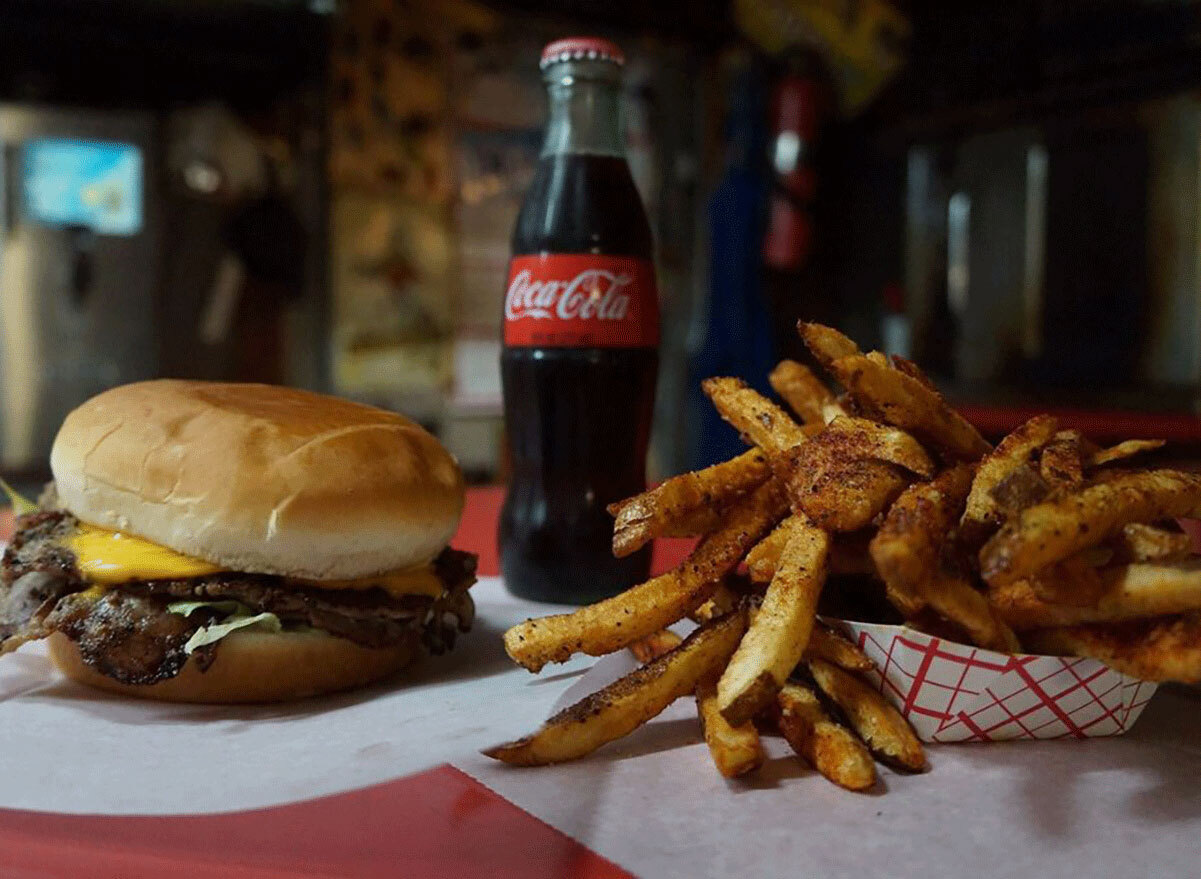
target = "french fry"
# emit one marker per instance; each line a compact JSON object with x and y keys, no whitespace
{"x":1130,"y":592}
{"x":760,"y":421}
{"x":721,"y":602}
{"x":826,"y":344}
{"x":894,"y":396}
{"x":804,"y":392}
{"x":779,"y":632}
{"x":865,"y":439}
{"x":824,"y":643}
{"x":1061,"y":464}
{"x":1077,"y":520}
{"x":761,"y":561}
{"x":1073,"y":582}
{"x":1156,"y":649}
{"x":1076,"y":554}
{"x":692,"y":503}
{"x":907,"y":548}
{"x":887,"y":734}
{"x":955,"y":598}
{"x":735,"y":750}
{"x":837,"y":491}
{"x":1023,"y":487}
{"x":1121,"y":451}
{"x":982,"y":515}
{"x":827,"y":644}
{"x":824,"y":744}
{"x":848,"y":555}
{"x":619,"y":621}
{"x":653,"y":646}
{"x":911,"y":369}
{"x":626,"y":704}
{"x":1146,"y":543}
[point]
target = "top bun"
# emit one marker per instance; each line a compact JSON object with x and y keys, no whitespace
{"x":258,"y":478}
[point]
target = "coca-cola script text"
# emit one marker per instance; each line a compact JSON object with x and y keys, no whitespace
{"x":581,"y":300}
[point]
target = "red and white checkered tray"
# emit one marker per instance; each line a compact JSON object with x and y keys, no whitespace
{"x":951,"y":692}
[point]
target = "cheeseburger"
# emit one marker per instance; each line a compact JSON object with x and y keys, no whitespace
{"x":207,"y":542}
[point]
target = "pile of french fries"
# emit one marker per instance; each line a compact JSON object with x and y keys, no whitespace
{"x":1045,"y":543}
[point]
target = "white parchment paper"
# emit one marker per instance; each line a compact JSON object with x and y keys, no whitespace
{"x":69,"y":748}
{"x":1117,"y":807}
{"x":1114,"y":807}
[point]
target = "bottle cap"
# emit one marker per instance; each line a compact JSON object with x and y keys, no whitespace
{"x":581,"y":49}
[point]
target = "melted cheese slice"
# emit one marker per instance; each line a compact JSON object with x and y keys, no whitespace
{"x":107,"y":558}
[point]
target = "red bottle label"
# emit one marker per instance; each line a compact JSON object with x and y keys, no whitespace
{"x":581,"y":300}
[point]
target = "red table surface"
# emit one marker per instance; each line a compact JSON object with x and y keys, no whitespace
{"x":439,"y":823}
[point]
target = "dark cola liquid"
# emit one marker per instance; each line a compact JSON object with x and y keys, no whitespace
{"x":577,"y":419}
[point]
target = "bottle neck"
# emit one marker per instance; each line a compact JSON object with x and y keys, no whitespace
{"x":585,"y":111}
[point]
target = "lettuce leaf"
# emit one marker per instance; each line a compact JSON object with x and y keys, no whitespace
{"x":238,"y":616}
{"x":20,"y":504}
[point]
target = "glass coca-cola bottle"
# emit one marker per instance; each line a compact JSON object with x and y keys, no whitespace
{"x":581,"y":335}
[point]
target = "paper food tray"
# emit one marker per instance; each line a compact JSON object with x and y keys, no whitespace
{"x":951,"y":692}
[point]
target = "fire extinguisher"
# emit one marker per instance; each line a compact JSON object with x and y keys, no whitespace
{"x":801,"y":109}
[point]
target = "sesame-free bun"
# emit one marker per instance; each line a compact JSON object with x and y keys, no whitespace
{"x":255,"y":667}
{"x":258,"y":478}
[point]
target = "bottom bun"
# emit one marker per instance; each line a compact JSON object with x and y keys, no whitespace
{"x":255,"y":667}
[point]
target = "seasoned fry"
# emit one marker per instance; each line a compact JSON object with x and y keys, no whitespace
{"x":761,"y":561}
{"x":842,"y":478}
{"x":626,"y":704}
{"x":1121,"y":451}
{"x":736,"y":750}
{"x":760,"y":421}
{"x":721,"y":602}
{"x":779,"y":632}
{"x":848,"y":554}
{"x":887,"y":734}
{"x":953,"y":597}
{"x":837,"y":491}
{"x":982,"y":514}
{"x":827,"y":746}
{"x":1062,"y":462}
{"x":1146,"y":543}
{"x":907,"y":548}
{"x":826,"y":344}
{"x":692,"y":503}
{"x":825,"y":643}
{"x":804,"y":392}
{"x":1158,"y":649}
{"x":911,"y":369}
{"x":880,"y":442}
{"x":644,"y":609}
{"x":887,"y":483}
{"x":653,"y":646}
{"x":1021,"y":488}
{"x":1063,"y":526}
{"x":894,"y":396}
{"x":1130,"y":592}
{"x":1072,"y":582}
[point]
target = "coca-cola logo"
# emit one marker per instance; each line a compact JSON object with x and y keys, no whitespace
{"x":593,"y":294}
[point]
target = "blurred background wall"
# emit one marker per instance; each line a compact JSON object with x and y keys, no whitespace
{"x":321,"y":193}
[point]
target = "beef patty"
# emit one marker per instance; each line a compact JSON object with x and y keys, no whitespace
{"x":127,"y":633}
